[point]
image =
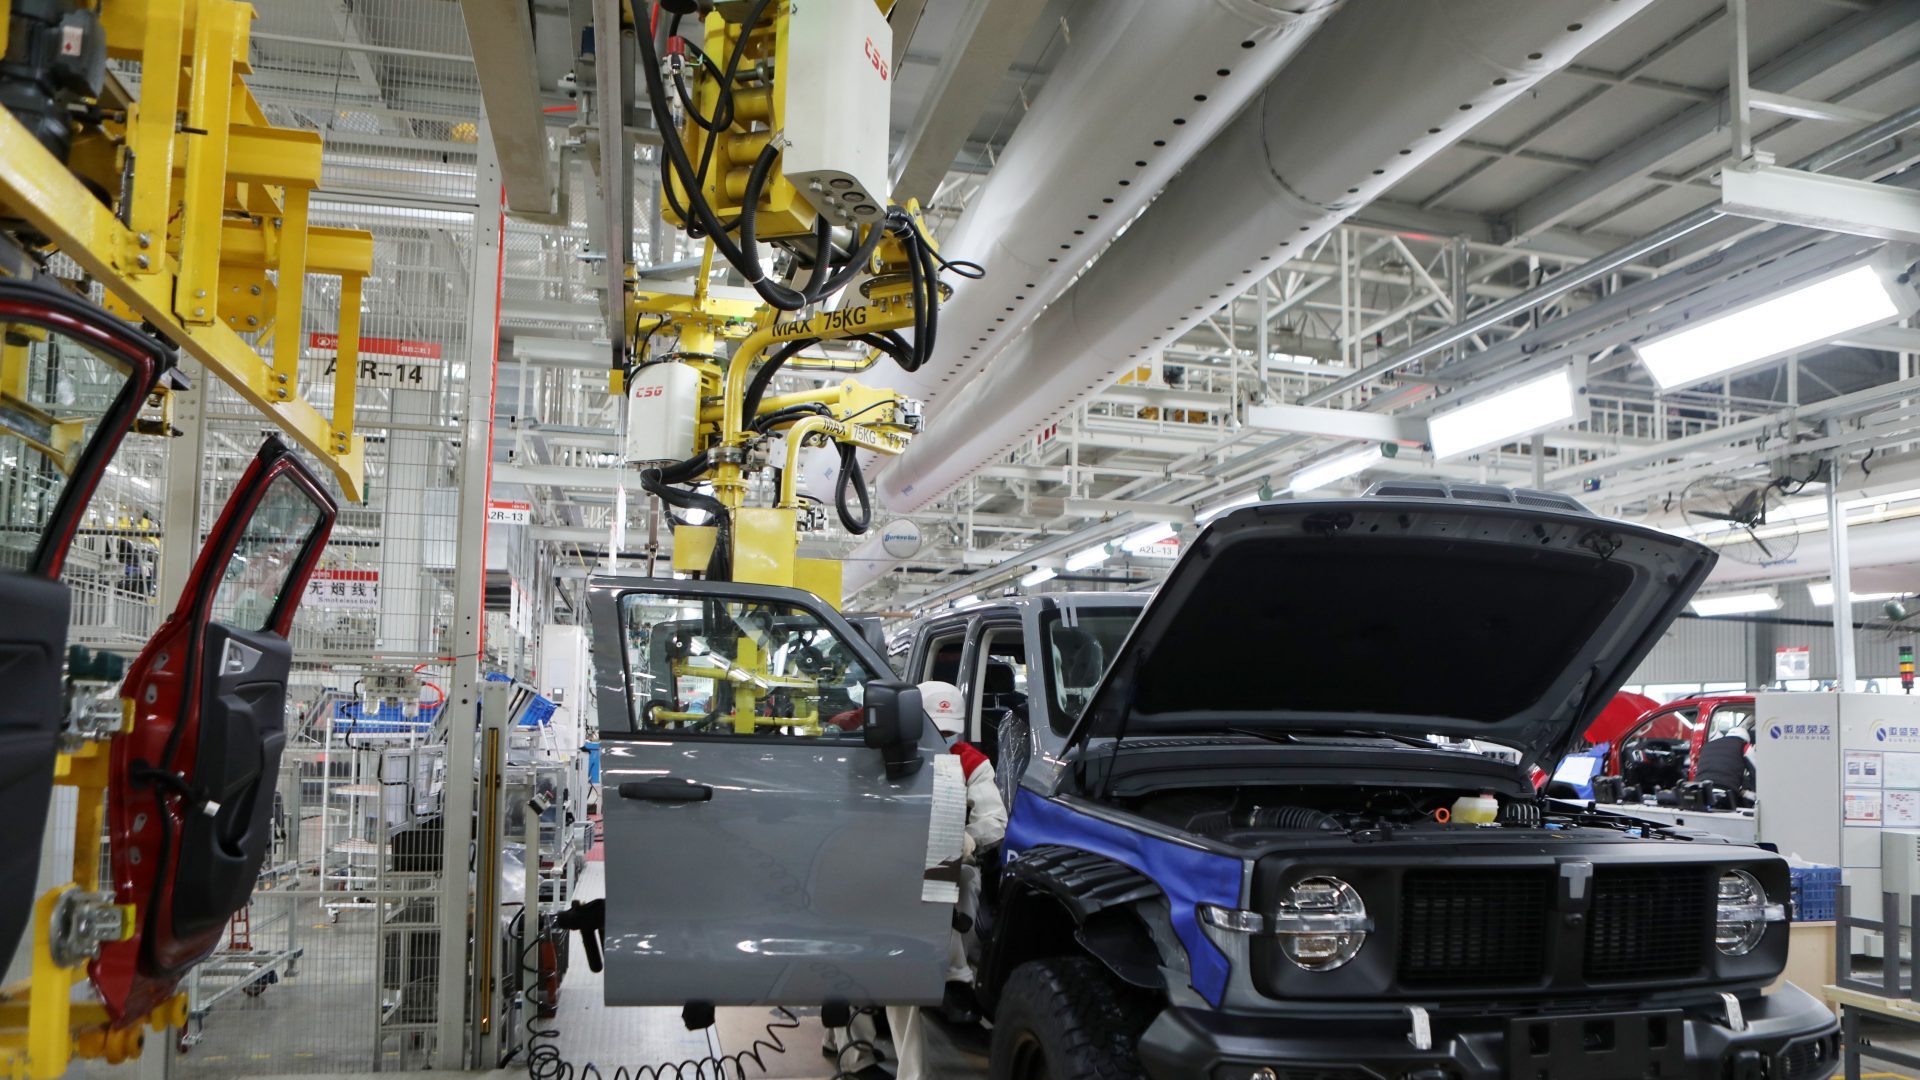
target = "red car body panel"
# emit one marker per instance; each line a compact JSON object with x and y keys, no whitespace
{"x":1705,"y":704}
{"x":1621,"y":713}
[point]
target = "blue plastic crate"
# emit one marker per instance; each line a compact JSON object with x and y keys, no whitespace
{"x":1816,"y":893}
{"x":539,"y":711}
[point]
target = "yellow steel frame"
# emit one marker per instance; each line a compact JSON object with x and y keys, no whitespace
{"x":219,"y":199}
{"x":42,"y":1029}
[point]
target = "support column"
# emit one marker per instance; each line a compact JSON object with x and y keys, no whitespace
{"x":186,"y":457}
{"x":405,"y":598}
{"x":469,"y":599}
{"x":1842,"y":579}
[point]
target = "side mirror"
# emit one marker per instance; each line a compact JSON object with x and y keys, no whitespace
{"x":894,"y":721}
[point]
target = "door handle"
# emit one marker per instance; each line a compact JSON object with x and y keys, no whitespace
{"x":665,"y":791}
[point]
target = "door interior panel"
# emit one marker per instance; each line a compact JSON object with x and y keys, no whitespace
{"x":31,"y":639}
{"x":189,"y":808}
{"x":72,"y":382}
{"x":242,"y":731}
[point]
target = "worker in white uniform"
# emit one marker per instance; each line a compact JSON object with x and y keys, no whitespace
{"x":986,"y":825}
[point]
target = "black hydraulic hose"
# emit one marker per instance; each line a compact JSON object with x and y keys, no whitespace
{"x":822,"y":259}
{"x":676,"y":165}
{"x":791,"y":412}
{"x":855,"y":262}
{"x":720,"y":565}
{"x":771,"y":291}
{"x":851,"y":476}
{"x":931,"y":276}
{"x":763,"y":376}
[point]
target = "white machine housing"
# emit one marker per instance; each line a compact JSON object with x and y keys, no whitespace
{"x":838,"y":86}
{"x":1900,"y":865}
{"x":1836,"y":773}
{"x":663,"y":407}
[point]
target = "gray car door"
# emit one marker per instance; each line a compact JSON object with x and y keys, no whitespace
{"x":757,"y":851}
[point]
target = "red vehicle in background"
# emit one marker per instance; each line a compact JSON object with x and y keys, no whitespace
{"x":1661,"y":750}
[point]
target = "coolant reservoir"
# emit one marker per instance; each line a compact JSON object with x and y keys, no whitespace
{"x":662,"y":410}
{"x":1476,"y":809}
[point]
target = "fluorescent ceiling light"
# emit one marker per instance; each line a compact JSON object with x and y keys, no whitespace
{"x":1219,"y":508}
{"x":1152,"y":534}
{"x":1736,"y":603}
{"x":1809,"y":314}
{"x":1821,"y":593}
{"x":1093,"y":556}
{"x":1522,"y":410}
{"x":1039,"y":576}
{"x":1334,"y":470}
{"x":968,"y":600}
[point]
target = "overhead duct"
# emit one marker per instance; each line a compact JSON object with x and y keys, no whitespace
{"x":1382,"y":89}
{"x":1141,"y":87}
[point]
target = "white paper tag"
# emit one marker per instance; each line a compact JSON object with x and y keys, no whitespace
{"x":940,"y":884}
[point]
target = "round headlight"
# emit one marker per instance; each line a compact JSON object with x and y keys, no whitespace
{"x":1742,"y":917}
{"x":1321,"y":924}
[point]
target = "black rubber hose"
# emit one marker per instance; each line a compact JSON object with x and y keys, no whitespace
{"x":855,"y":263}
{"x":852,"y":477}
{"x":675,"y":157}
{"x":1291,"y":817}
{"x":763,"y":376}
{"x":774,"y":293}
{"x":822,"y":259}
{"x":931,"y":276}
{"x":791,"y":412}
{"x":720,"y":565}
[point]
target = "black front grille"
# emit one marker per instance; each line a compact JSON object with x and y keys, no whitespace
{"x":1648,"y":923}
{"x":1474,"y":928}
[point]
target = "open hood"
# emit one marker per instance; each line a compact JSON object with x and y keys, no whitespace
{"x":1420,"y":609}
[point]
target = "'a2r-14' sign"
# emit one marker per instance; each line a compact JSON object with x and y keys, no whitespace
{"x":393,"y":362}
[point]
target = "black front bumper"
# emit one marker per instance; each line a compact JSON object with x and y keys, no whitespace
{"x":1789,"y":1036}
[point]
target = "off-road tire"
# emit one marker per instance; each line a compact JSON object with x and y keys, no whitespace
{"x":1067,"y":1018}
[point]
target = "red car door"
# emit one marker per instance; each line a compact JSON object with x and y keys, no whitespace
{"x":189,"y":802}
{"x":72,"y":380}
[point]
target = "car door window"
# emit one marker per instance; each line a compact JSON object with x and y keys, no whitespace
{"x":1728,"y":717}
{"x":1654,"y":754}
{"x":1077,"y":655}
{"x":739,"y":667}
{"x":263,"y":560}
{"x":56,"y":392}
{"x":1000,"y":677}
{"x":943,"y":658}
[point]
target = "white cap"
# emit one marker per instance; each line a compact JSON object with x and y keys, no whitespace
{"x":943,"y":705}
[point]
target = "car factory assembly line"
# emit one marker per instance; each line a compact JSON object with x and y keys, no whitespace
{"x":1030,"y":539}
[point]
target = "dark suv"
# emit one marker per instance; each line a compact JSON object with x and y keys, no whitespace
{"x":1243,"y":842}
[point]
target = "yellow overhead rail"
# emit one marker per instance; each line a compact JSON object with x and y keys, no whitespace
{"x":209,"y":242}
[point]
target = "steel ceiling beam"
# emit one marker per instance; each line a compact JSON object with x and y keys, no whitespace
{"x":504,"y":61}
{"x":1869,"y":40}
{"x":1834,"y":203}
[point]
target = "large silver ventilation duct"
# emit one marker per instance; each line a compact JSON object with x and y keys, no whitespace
{"x":1141,"y":87}
{"x":1381,"y":89}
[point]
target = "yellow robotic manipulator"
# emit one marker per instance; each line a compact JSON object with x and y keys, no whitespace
{"x":766,"y":139}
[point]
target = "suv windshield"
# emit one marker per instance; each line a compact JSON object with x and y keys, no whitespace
{"x":1080,"y":644}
